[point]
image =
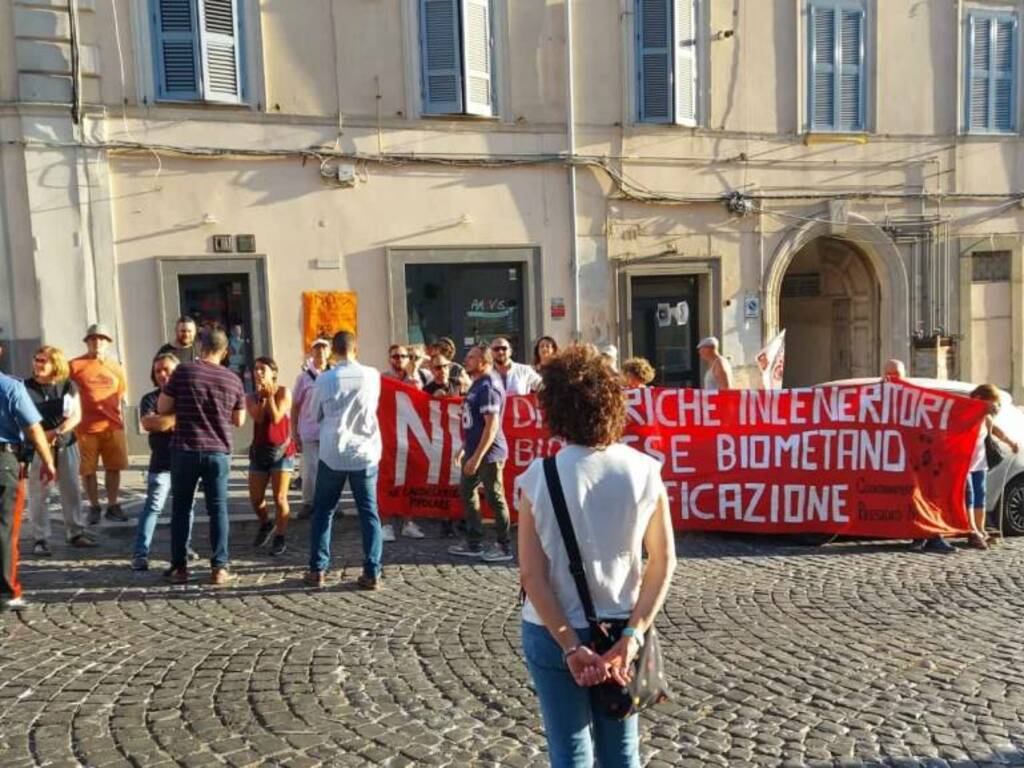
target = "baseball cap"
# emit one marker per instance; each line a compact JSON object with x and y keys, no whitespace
{"x":320,"y":343}
{"x":98,"y":329}
{"x":709,"y":341}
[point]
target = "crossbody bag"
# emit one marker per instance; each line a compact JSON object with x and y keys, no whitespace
{"x":648,"y":686}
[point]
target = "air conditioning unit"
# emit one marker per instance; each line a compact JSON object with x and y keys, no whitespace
{"x":346,"y":174}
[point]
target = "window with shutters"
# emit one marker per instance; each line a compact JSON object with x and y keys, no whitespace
{"x":667,"y":61}
{"x":836,"y":65}
{"x":990,"y":76}
{"x":197,"y":50}
{"x":457,"y":57}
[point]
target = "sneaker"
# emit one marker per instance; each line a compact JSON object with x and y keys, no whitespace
{"x":176,"y":575}
{"x":497,"y":554}
{"x":140,"y":564}
{"x":266,"y":530}
{"x":918,"y":545}
{"x":15,"y":604}
{"x":315,"y":579}
{"x":369,"y":583}
{"x":279,"y":546}
{"x":412,"y":531}
{"x":115,"y":513}
{"x":466,"y":550}
{"x":221,"y":576}
{"x":81,"y":541}
{"x":940,"y":545}
{"x":387,"y":532}
{"x":41,"y":548}
{"x":95,"y":513}
{"x":191,"y":554}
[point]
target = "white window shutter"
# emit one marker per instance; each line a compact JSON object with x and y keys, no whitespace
{"x":978,"y":42}
{"x":441,"y":56}
{"x":654,"y":37}
{"x":176,"y":39}
{"x":219,"y":35}
{"x":686,"y":62}
{"x":478,"y":61}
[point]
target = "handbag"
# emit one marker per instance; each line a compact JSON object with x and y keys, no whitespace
{"x":993,"y":456}
{"x":648,"y":686}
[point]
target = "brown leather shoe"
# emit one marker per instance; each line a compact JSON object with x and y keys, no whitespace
{"x":365,"y":582}
{"x":221,"y":576}
{"x":315,"y":579}
{"x":177,"y":575}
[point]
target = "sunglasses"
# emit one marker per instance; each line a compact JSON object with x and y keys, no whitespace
{"x":398,"y":357}
{"x":41,"y":361}
{"x":500,"y":349}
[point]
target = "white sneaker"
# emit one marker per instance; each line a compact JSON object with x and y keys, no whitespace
{"x":387,"y":532}
{"x":412,"y":531}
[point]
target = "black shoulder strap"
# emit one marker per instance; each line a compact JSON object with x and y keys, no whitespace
{"x":572,"y":548}
{"x":312,"y":376}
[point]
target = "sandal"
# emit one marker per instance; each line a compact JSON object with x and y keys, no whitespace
{"x":975,"y":541}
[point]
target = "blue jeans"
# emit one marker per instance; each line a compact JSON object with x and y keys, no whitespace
{"x":329,"y":485}
{"x":575,"y":732}
{"x":187,"y":468}
{"x":158,"y":488}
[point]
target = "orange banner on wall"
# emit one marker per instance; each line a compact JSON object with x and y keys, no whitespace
{"x":324,"y":313}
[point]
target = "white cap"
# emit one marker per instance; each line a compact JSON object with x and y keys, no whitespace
{"x":320,"y":343}
{"x":710,"y":342}
{"x":610,"y":350}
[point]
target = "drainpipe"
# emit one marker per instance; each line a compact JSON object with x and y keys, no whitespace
{"x":570,"y":127}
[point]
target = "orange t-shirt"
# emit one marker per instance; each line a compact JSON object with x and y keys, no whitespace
{"x":102,"y":385}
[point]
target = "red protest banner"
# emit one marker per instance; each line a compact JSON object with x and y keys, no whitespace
{"x":886,"y":460}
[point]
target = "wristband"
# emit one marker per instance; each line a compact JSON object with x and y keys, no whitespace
{"x":634,"y":633}
{"x":570,"y":652}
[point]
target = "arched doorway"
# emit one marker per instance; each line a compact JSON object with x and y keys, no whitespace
{"x":885,"y":267}
{"x":829,"y":306}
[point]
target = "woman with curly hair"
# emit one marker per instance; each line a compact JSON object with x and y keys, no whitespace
{"x":637,"y":372}
{"x":543,"y":350}
{"x":618,"y":507}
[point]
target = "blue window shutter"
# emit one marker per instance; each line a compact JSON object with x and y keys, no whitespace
{"x":654,"y":65}
{"x":220,"y":49}
{"x":850,"y":80}
{"x":1002,"y":74}
{"x":441,"y":54}
{"x":686,"y":62}
{"x":978,"y":56}
{"x":821,"y":89}
{"x":990,"y":102}
{"x":478,"y":59}
{"x":176,"y":49}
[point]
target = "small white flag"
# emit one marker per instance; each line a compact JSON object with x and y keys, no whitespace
{"x":771,"y":361}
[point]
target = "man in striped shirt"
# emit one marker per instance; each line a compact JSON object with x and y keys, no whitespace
{"x":207,"y":400}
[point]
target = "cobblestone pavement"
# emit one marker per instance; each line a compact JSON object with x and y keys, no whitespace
{"x":851,"y":654}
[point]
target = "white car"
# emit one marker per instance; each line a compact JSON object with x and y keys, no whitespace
{"x":1005,"y":491}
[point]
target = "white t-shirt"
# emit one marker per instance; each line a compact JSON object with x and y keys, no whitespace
{"x":345,"y":401}
{"x":610,"y":494}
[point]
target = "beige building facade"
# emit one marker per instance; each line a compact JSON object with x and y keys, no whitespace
{"x":845,"y":169}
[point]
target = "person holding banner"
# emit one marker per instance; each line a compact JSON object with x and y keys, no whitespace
{"x":617,"y":505}
{"x":978,"y":473}
{"x":637,"y":372}
{"x":719,"y":373}
{"x":482,"y":459}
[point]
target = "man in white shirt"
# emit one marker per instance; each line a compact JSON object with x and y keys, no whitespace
{"x":345,"y":401}
{"x":515,"y":378}
{"x":305,"y":427}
